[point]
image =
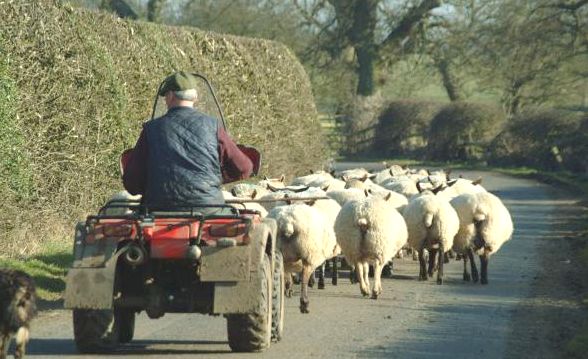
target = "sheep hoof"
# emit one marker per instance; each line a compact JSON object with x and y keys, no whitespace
{"x":321,"y":284}
{"x":304,"y":307}
{"x":439,"y":281}
{"x":475,"y":277}
{"x":423,"y":277}
{"x":334,"y":281}
{"x":467,"y":277}
{"x":374,"y":295}
{"x":288,"y":293}
{"x":484,"y":281}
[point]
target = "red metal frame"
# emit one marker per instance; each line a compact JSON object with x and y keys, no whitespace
{"x":168,"y":237}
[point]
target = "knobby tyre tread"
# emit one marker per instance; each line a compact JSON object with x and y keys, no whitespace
{"x":278,"y":297}
{"x":252,"y":332}
{"x":125,"y":323}
{"x":94,"y":330}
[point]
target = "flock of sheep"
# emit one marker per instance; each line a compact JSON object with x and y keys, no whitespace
{"x":371,"y":217}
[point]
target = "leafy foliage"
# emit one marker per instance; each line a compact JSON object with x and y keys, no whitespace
{"x":80,"y":98}
{"x":463,"y":130}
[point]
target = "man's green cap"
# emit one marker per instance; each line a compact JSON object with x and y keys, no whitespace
{"x":179,"y":81}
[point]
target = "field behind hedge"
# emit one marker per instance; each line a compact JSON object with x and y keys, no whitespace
{"x":76,"y":86}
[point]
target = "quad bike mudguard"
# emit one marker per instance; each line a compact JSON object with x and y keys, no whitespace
{"x":90,"y":281}
{"x":243,"y":296}
{"x":234,"y":271}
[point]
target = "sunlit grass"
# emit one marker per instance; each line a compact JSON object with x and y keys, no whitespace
{"x":47,"y":268}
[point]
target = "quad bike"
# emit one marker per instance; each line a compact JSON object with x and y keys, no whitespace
{"x":179,"y":261}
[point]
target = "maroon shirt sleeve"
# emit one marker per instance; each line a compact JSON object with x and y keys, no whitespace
{"x":235,"y":165}
{"x":135,"y":172}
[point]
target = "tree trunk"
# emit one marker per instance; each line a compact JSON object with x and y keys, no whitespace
{"x":365,"y":71}
{"x":450,"y":82}
{"x":154,"y":10}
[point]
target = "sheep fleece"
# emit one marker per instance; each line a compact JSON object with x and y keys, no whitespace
{"x":304,"y":235}
{"x":496,"y":222}
{"x":430,"y":217}
{"x":386,"y":230}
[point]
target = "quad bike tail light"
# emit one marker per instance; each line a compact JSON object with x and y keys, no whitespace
{"x":228,"y":229}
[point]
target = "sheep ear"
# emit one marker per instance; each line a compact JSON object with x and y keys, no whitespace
{"x":265,"y":178}
{"x":311,"y":172}
{"x":460,"y":175}
{"x":447,"y":173}
{"x":387,"y":198}
{"x":254,"y":194}
{"x":477,"y":182}
{"x":428,"y":172}
{"x":438,"y":189}
{"x":311,"y":203}
{"x":234,"y":192}
{"x":332,"y":173}
{"x":372,"y":176}
{"x":326,"y":188}
{"x":364,"y":178}
{"x":418,"y":185}
{"x":451,"y":183}
{"x":344,"y":178}
{"x":367,"y":193}
{"x":272,"y":188}
{"x":282,"y":178}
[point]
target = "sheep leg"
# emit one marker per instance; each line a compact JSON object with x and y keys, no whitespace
{"x":466,"y":274}
{"x":415,"y":255}
{"x":484,"y":265}
{"x":311,"y":280}
{"x":306,"y":273}
{"x":377,"y":280}
{"x":475,"y":276}
{"x":4,"y":344}
{"x":422,"y":265}
{"x":288,"y":285}
{"x":321,"y":279}
{"x":446,"y":257}
{"x":22,"y":337}
{"x":353,"y":275}
{"x":441,"y":263}
{"x":432,"y":261}
{"x":335,"y":271}
{"x":366,"y":274}
{"x":360,"y":276}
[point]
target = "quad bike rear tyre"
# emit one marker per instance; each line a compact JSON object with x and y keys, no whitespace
{"x":252,"y":332}
{"x":124,"y":321}
{"x":278,"y":297}
{"x":95,"y":330}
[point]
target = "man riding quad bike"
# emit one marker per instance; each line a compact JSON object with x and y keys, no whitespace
{"x":181,"y":249}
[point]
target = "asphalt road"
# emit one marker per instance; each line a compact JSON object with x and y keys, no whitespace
{"x":411,"y":319}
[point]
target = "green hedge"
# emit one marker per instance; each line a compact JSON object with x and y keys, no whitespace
{"x":463,"y":131}
{"x":403,"y":128}
{"x":76,"y":86}
{"x":545,"y":139}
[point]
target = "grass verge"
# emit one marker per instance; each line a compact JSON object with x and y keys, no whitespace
{"x":47,"y":268}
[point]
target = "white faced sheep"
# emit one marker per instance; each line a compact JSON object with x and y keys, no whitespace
{"x":345,"y":195}
{"x":485,"y":225}
{"x":432,"y":224}
{"x":245,"y":195}
{"x":274,"y":182}
{"x":121,"y":203}
{"x":306,"y":240}
{"x":402,"y":185}
{"x":370,"y":231}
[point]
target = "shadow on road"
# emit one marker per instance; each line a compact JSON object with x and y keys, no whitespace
{"x":66,"y":347}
